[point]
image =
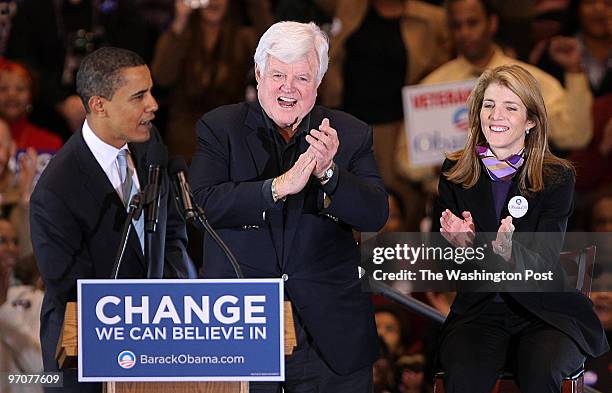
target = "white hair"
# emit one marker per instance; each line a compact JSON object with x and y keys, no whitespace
{"x":290,"y":42}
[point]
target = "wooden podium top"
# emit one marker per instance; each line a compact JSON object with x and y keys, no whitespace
{"x":176,"y":387}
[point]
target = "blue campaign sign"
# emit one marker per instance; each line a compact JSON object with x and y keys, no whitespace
{"x":181,"y":330}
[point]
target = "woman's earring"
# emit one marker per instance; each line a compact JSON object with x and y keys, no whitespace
{"x":527,"y":131}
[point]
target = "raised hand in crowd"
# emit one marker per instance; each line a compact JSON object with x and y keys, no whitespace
{"x":565,"y":51}
{"x":182,"y":10}
{"x":27,"y":171}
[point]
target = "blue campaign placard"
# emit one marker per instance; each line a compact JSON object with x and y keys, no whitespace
{"x":181,"y":330}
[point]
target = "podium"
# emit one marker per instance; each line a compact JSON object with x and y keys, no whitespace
{"x":67,"y":357}
{"x":176,"y":387}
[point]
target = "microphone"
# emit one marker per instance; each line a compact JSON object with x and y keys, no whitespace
{"x":135,"y":206}
{"x":157,"y":158}
{"x":192,"y":212}
{"x":177,"y":170}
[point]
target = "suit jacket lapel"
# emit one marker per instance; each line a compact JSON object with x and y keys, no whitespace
{"x":256,"y":140}
{"x":480,"y":203}
{"x":100,"y":189}
{"x":296,"y":202}
{"x":256,"y":137}
{"x":95,"y":180}
{"x":514,"y":191}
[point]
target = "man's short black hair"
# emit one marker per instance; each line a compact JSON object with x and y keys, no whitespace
{"x":100,"y":72}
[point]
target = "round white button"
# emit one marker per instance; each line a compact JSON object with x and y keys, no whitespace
{"x":518,"y":206}
{"x":285,"y":277}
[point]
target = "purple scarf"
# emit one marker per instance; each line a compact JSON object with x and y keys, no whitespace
{"x":500,"y":169}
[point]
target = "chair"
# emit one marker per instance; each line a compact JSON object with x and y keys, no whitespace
{"x":507,"y":384}
{"x":579,"y":265}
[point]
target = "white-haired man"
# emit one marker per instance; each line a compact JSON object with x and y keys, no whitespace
{"x":285,"y":182}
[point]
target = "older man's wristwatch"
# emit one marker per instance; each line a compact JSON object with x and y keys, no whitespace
{"x":275,"y":196}
{"x":329,"y":172}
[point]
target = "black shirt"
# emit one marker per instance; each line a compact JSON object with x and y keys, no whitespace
{"x":286,"y":154}
{"x":286,"y":151}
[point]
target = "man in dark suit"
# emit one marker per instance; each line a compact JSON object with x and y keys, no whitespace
{"x":78,"y":207}
{"x":284,"y":182}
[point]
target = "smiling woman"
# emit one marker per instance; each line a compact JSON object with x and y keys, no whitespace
{"x":504,"y":122}
{"x":16,"y":86}
{"x":506,"y":114}
{"x":506,"y":159}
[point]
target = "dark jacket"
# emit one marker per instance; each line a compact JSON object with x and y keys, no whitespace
{"x":570,"y":312}
{"x":315,"y":247}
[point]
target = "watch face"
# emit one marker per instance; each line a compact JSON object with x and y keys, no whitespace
{"x":329,"y":173}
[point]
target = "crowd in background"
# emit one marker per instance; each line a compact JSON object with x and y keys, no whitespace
{"x":202,"y":58}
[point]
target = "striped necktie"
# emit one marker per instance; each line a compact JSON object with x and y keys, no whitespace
{"x":125,"y":175}
{"x":128,"y":189}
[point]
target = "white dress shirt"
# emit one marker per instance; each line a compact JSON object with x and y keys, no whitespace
{"x":106,"y":155}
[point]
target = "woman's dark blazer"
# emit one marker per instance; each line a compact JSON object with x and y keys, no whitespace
{"x":570,"y":312}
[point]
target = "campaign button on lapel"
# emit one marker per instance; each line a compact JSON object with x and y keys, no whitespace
{"x":518,"y":206}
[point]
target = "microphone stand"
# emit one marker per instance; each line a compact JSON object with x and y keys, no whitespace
{"x":134,"y":210}
{"x":153,"y":271}
{"x":198,"y":219}
{"x":194,"y":214}
{"x":409,"y":302}
{"x":148,"y":252}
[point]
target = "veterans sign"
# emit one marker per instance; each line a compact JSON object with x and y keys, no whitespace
{"x":436,"y":119}
{"x":181,"y":330}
